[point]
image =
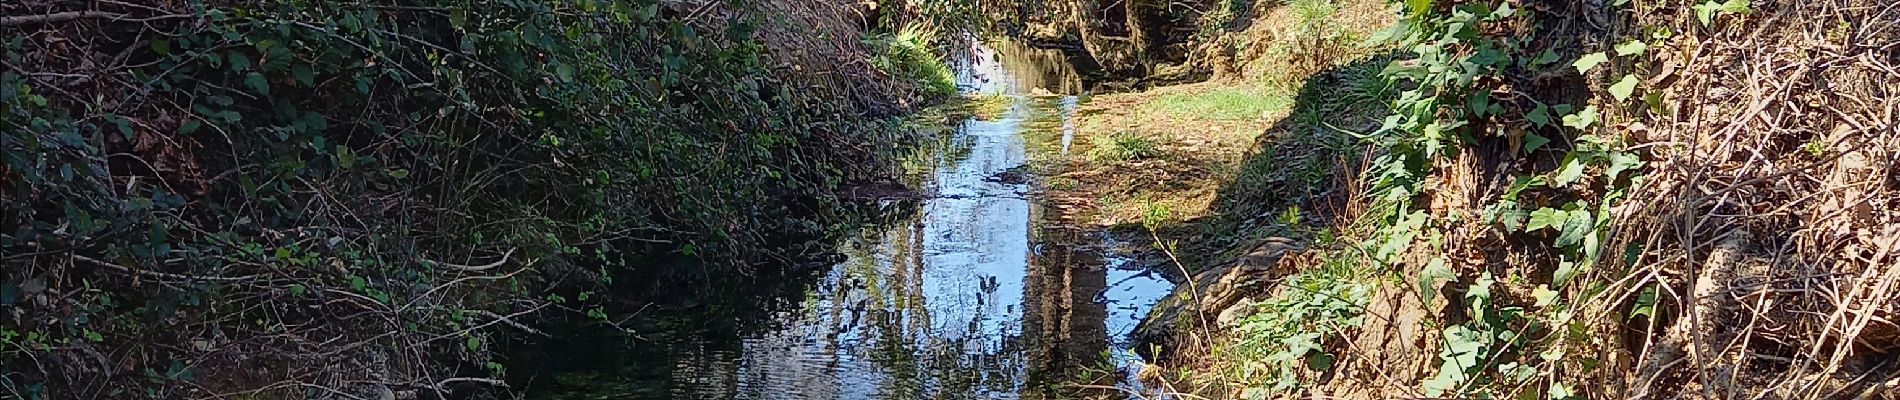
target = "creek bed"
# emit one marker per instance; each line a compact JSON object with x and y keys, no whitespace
{"x":980,"y":292}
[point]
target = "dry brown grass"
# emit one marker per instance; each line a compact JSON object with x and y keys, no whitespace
{"x":1770,"y":215}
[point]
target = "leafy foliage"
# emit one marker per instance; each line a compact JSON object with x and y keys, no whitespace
{"x":1460,"y":97}
{"x":1290,"y":330}
{"x":1707,"y":11}
{"x":300,"y":155}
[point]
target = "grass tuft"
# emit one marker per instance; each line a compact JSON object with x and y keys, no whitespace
{"x":1124,"y":146}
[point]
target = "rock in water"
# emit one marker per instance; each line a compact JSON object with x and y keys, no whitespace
{"x":1216,"y":294}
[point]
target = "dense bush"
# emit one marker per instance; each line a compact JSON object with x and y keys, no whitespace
{"x":276,"y":189}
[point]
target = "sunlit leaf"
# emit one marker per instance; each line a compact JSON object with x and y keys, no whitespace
{"x":1632,"y":47}
{"x":1590,"y":61}
{"x":1546,"y":218}
{"x":1582,"y":119}
{"x":1623,"y":88}
{"x":1622,"y":161}
{"x":1576,"y":225}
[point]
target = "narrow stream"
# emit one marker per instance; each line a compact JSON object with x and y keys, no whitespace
{"x":981,"y":293}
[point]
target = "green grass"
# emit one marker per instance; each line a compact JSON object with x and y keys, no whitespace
{"x":1123,"y":146}
{"x":907,"y":54}
{"x":1225,"y":104}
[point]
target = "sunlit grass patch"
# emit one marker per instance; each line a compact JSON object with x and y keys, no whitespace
{"x":1223,"y":104}
{"x":1123,"y":146}
{"x":907,"y":54}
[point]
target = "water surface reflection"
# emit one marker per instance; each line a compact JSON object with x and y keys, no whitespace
{"x":977,"y":292}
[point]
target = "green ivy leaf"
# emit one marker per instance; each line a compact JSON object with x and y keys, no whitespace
{"x":1320,"y":361}
{"x":1546,"y":218}
{"x":1590,"y":61}
{"x":1623,"y":88}
{"x":1558,"y":391}
{"x":344,"y":157}
{"x":1544,"y":296}
{"x":1633,"y":47}
{"x":1622,"y":161}
{"x":1575,"y":227}
{"x":1431,"y":276}
{"x":1533,"y":141}
{"x":239,"y":61}
{"x":257,"y":83}
{"x":1707,"y":11}
{"x":1478,"y":102}
{"x":1506,"y":214}
{"x":1566,"y":269}
{"x":1645,"y":303}
{"x":124,"y":125}
{"x":1582,"y":119}
{"x":1539,"y":115}
{"x":303,"y":75}
{"x":1547,"y":57}
{"x":473,"y":343}
{"x":1569,"y":172}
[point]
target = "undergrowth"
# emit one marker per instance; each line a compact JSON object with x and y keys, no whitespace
{"x":1293,"y":333}
{"x":1541,"y":203}
{"x":273,"y":197}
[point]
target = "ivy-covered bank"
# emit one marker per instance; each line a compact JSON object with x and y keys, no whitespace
{"x":287,"y":198}
{"x":1519,"y":199}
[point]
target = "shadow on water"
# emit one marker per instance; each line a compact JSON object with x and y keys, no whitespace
{"x":977,"y":291}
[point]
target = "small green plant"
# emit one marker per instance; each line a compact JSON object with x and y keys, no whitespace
{"x":1816,"y":148}
{"x":1289,"y":331}
{"x":1707,"y":11}
{"x":1123,"y":146}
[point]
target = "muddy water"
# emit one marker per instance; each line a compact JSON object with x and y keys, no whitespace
{"x":979,"y":292}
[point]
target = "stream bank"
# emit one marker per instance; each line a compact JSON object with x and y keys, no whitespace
{"x":367,"y":199}
{"x":1671,"y":199}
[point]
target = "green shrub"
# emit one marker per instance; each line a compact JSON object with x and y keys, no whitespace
{"x":267,"y":169}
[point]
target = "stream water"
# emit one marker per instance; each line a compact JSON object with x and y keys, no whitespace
{"x":980,"y":292}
